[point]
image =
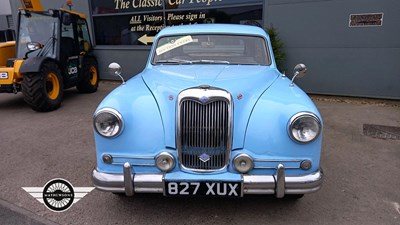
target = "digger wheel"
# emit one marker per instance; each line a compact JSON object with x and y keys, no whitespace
{"x":89,"y":80}
{"x":43,"y":90}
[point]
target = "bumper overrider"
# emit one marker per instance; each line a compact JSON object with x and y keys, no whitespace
{"x":278,"y":184}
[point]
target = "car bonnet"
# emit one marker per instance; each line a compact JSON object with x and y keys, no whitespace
{"x":245,"y":83}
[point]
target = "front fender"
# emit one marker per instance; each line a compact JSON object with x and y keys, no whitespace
{"x":267,"y":135}
{"x":32,"y":65}
{"x":143,"y":133}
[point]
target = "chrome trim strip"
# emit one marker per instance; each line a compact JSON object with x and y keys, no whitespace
{"x":280,"y":161}
{"x":133,"y":164}
{"x":277,"y":160}
{"x":134,"y":157}
{"x":271,"y":167}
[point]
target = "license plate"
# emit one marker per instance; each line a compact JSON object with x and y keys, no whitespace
{"x":212,"y":188}
{"x":3,"y":75}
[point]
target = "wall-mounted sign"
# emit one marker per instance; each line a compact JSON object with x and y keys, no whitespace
{"x":366,"y":20}
{"x":122,"y":6}
{"x":136,"y":22}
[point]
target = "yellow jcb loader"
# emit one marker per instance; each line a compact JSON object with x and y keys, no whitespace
{"x":52,"y":52}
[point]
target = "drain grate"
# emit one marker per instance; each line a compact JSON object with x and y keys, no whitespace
{"x":381,"y":132}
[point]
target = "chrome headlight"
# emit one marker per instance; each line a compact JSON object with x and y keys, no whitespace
{"x":304,"y":127}
{"x":108,"y":122}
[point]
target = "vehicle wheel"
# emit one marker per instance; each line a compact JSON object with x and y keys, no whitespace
{"x":89,"y":80}
{"x":43,"y":90}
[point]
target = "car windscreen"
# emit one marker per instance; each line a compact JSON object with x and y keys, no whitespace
{"x":211,"y":49}
{"x":40,"y":28}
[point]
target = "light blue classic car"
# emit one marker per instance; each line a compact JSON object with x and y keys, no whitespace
{"x":210,"y":115}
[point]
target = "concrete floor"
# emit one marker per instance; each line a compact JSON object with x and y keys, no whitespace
{"x":361,"y":184}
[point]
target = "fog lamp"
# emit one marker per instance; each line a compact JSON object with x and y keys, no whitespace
{"x":165,"y":161}
{"x":107,"y":158}
{"x":243,"y":163}
{"x":305,"y":164}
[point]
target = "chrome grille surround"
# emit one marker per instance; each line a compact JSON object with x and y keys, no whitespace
{"x":204,"y":128}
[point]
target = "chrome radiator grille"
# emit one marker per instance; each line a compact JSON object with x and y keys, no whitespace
{"x":204,"y":130}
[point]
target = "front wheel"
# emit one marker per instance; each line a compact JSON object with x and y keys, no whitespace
{"x":43,"y":90}
{"x":89,"y":77}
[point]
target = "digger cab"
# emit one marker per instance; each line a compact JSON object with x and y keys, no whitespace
{"x":53,"y":53}
{"x":58,"y":34}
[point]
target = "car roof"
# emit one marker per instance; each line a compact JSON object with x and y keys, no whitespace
{"x":212,"y":28}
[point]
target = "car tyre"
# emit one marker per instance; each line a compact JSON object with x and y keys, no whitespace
{"x":43,"y":90}
{"x":89,"y":77}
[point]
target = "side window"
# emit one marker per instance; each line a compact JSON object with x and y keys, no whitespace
{"x":67,"y":44}
{"x":83,"y":36}
{"x":67,"y":31}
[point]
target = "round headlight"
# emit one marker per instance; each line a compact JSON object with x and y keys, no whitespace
{"x":243,"y":163}
{"x":304,"y":127}
{"x":108,"y":122}
{"x":165,"y":161}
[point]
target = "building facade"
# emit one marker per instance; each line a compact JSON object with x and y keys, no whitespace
{"x":6,"y":22}
{"x":351,"y":47}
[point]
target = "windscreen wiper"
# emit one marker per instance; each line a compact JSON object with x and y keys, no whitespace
{"x":210,"y":61}
{"x":174,"y":61}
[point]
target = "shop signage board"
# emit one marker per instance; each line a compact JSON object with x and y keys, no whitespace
{"x":366,"y":20}
{"x":136,"y":22}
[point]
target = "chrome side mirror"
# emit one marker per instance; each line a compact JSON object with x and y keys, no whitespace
{"x":115,"y":69}
{"x":299,"y":71}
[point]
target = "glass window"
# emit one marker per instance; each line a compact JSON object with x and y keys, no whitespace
{"x":39,"y":28}
{"x":83,"y":36}
{"x":127,"y":29}
{"x":67,"y":31}
{"x":137,"y":22}
{"x":213,"y":49}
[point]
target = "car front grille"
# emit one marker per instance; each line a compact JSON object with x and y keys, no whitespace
{"x":204,"y":129}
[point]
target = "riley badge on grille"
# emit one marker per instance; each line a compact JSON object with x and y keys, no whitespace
{"x":204,"y":157}
{"x":204,"y":99}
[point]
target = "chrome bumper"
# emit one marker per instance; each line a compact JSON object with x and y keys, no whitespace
{"x":278,"y":184}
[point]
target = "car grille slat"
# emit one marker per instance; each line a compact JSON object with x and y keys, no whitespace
{"x":204,"y":133}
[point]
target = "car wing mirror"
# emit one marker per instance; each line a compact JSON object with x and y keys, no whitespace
{"x":299,"y":71}
{"x":116,"y":70}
